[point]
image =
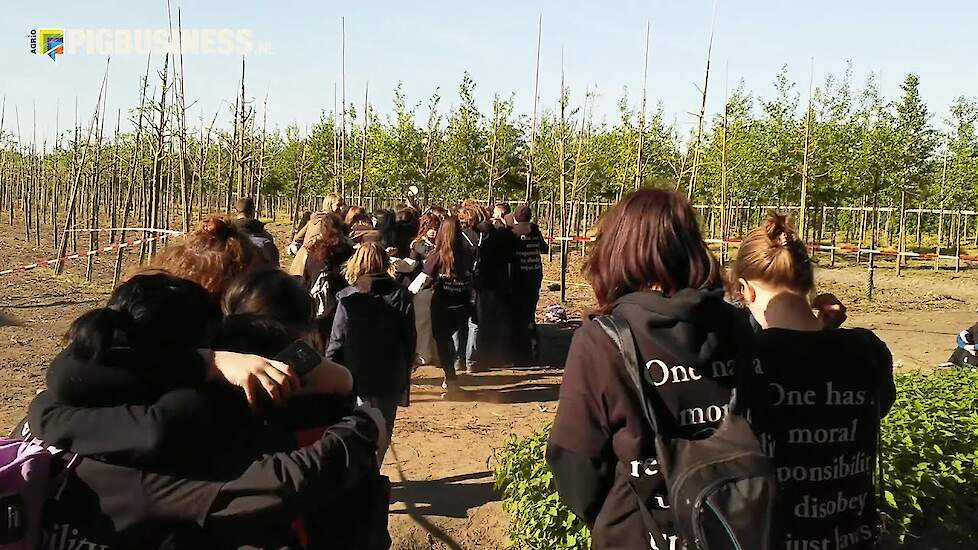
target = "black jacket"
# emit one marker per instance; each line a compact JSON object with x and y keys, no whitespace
{"x":688,"y":343}
{"x":117,"y":507}
{"x":374,"y":335}
{"x":255,"y":230}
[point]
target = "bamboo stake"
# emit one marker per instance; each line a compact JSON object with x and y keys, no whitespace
{"x":343,"y":112}
{"x":702,"y":113}
{"x":563,"y":183}
{"x":639,"y":176}
{"x":73,"y":194}
{"x":363,"y":148}
{"x":533,"y":123}
{"x":261,"y":157}
{"x":803,"y":208}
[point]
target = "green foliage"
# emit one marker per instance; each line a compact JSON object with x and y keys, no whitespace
{"x":539,"y":520}
{"x":930,"y":447}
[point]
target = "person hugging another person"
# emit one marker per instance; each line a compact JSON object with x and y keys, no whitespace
{"x":373,"y":333}
{"x":818,"y":402}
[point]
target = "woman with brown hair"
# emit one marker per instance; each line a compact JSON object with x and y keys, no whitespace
{"x":211,"y":256}
{"x":421,"y":248}
{"x":651,"y":269}
{"x":449,"y":267}
{"x":812,"y":381}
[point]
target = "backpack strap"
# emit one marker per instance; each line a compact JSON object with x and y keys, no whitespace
{"x":621,"y":334}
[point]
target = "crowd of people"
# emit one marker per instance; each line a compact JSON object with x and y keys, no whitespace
{"x":186,"y":412}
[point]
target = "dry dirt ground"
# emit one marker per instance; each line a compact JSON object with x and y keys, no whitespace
{"x":441,"y":460}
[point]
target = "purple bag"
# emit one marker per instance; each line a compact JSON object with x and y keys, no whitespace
{"x":25,"y":482}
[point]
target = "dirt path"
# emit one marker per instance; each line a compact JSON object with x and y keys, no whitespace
{"x":440,"y":461}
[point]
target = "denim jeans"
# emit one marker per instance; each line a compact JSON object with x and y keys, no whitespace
{"x":468,"y":341}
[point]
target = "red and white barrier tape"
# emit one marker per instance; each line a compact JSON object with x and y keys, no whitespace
{"x":94,"y":252}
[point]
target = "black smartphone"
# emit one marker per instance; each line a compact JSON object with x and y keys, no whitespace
{"x":301,"y":357}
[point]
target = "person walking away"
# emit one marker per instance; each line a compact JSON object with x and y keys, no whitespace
{"x":472,"y":220}
{"x":818,"y":412}
{"x":650,"y":268}
{"x":333,"y":204}
{"x":373,"y":332}
{"x":246,"y":223}
{"x":422,"y":246}
{"x":449,"y":268}
{"x":527,"y":278}
{"x":494,"y":304}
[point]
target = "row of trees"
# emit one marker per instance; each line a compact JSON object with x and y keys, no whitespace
{"x":851,"y":145}
{"x":860,"y":145}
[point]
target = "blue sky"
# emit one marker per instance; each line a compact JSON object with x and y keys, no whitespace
{"x":429,"y":43}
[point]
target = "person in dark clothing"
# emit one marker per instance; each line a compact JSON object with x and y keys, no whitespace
{"x":499,"y":214}
{"x":474,"y":228}
{"x":406,"y":224}
{"x":422,"y":246}
{"x":449,"y":268}
{"x":526,"y":272}
{"x":322,"y":273}
{"x":373,"y":333}
{"x":651,"y":268}
{"x":818,"y":413}
{"x":246,"y":223}
{"x":105,"y":505}
{"x":494,"y":288}
{"x":158,"y":434}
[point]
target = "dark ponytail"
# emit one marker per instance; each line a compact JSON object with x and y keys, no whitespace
{"x":99,"y":330}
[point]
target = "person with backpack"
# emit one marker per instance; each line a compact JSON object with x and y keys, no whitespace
{"x":527,"y":277}
{"x":817,"y":412}
{"x":373,"y":334}
{"x":449,"y":268}
{"x":652,"y":272}
{"x":246,"y":223}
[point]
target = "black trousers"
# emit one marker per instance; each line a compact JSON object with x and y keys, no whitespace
{"x":446,"y":320}
{"x":523,"y":331}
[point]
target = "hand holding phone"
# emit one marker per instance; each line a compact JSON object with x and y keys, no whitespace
{"x":301,"y":357}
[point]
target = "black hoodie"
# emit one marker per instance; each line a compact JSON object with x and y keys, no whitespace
{"x":374,"y":336}
{"x":688,"y":343}
{"x":255,"y":230}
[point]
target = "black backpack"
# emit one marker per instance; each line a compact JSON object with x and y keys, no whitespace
{"x":722,"y":488}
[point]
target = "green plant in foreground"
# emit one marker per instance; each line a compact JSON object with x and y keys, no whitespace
{"x":538,"y":519}
{"x":930,"y":449}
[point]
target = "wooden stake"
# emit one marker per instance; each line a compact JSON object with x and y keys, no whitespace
{"x":533,"y":124}
{"x":639,"y":177}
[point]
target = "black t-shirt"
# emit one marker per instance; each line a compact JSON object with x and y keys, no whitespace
{"x":816,"y":407}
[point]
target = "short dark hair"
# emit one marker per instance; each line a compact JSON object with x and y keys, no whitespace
{"x":504,"y":207}
{"x":650,"y":238}
{"x":245,"y":206}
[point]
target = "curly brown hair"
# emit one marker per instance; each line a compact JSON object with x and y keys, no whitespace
{"x":212,"y":256}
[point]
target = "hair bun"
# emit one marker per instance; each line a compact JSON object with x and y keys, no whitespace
{"x":216,"y":226}
{"x":779,"y":230}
